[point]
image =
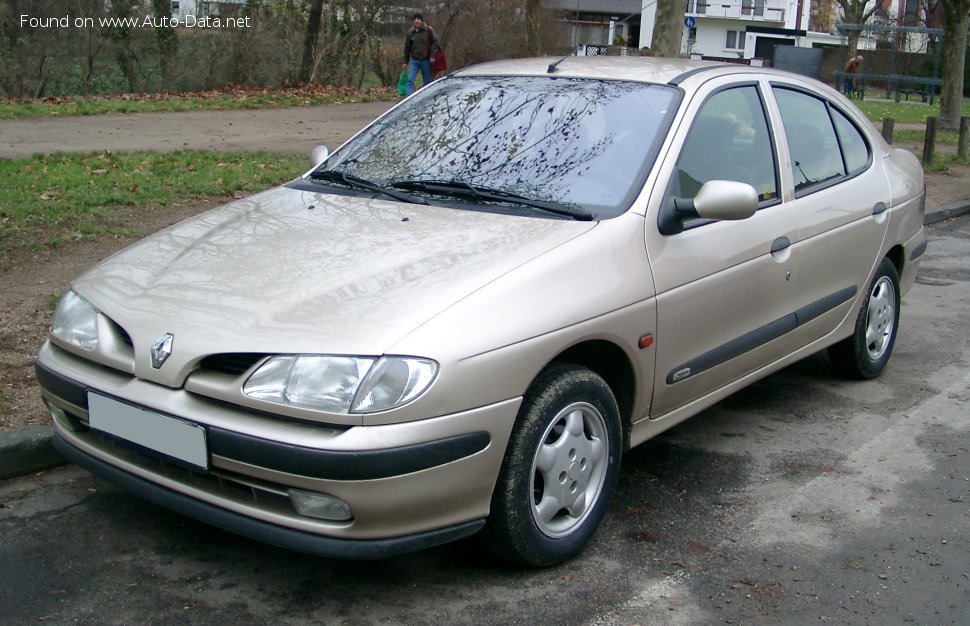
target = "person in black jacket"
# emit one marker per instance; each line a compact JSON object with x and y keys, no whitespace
{"x":417,"y":52}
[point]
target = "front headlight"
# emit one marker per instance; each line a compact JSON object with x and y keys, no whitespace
{"x":341,"y":384}
{"x":76,"y":322}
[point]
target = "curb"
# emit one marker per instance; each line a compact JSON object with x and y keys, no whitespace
{"x":946,"y":212}
{"x":26,"y":450}
{"x":30,"y":448}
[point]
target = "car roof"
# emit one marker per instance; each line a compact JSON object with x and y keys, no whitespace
{"x":637,"y":68}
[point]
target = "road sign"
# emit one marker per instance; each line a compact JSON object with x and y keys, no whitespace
{"x":690,"y":22}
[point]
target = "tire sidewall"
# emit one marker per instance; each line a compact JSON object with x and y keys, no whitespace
{"x":557,"y":388}
{"x":868,"y":366}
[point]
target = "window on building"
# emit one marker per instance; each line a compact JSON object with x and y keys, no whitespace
{"x":590,"y":33}
{"x":753,"y":7}
{"x":697,"y":6}
{"x":734,"y":41}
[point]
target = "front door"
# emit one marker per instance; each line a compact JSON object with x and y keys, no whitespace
{"x":724,"y":294}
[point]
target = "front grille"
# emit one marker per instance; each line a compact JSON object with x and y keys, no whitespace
{"x":218,"y":483}
{"x":123,"y":334}
{"x":234,"y":364}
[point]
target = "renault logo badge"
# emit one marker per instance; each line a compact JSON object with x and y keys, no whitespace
{"x":162,"y":349}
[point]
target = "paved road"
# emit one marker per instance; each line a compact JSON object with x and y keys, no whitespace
{"x":803,"y":499}
{"x":294,"y":129}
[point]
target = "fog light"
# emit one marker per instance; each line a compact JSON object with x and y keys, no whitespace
{"x":320,"y":505}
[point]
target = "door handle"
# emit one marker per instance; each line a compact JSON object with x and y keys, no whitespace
{"x":780,"y":244}
{"x":880,"y":207}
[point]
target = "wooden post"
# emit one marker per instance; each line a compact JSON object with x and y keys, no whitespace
{"x":962,"y":141}
{"x":888,"y":127}
{"x":929,"y":140}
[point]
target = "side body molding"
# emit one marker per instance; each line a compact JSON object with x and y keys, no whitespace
{"x":759,"y":336}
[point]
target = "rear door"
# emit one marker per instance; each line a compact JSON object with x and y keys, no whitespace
{"x":840,"y":207}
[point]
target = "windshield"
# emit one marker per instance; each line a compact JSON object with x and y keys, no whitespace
{"x":578,"y":143}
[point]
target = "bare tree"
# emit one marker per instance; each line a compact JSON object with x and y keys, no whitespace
{"x":166,"y":38}
{"x":91,"y":42}
{"x":856,"y":12}
{"x":120,"y":34}
{"x":533,"y":43}
{"x":310,"y":40}
{"x":956,"y":24}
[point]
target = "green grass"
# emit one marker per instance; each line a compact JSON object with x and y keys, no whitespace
{"x":942,"y":162}
{"x":51,"y":301}
{"x":917,"y":136}
{"x":199,"y":101}
{"x":903,"y":112}
{"x":48,"y":200}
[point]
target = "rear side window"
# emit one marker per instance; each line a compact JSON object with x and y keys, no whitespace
{"x":825,"y":146}
{"x":854,"y":147}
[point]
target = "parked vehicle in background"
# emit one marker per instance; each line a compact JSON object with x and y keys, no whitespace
{"x":457,"y":327}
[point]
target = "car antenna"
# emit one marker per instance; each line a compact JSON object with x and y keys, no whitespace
{"x":553,"y":66}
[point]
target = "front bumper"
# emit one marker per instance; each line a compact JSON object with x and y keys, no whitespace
{"x":408,"y":486}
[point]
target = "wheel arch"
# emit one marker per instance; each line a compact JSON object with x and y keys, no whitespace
{"x":897,"y":255}
{"x":612,"y":364}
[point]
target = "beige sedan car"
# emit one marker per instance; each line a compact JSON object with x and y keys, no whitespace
{"x":457,"y":322}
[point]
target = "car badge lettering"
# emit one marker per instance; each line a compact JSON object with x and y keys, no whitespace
{"x":162,"y":349}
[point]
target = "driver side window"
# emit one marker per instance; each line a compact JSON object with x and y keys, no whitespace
{"x":729,"y":140}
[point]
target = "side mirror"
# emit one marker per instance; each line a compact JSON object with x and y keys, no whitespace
{"x":318,"y":155}
{"x":716,"y":200}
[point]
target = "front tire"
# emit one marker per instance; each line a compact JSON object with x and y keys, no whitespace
{"x":866,"y":352}
{"x":560,"y":468}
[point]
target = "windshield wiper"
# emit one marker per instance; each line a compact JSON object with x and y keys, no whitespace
{"x":461,"y":188}
{"x":335,"y":176}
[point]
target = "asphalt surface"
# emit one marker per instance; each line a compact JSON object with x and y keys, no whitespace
{"x":804,"y":498}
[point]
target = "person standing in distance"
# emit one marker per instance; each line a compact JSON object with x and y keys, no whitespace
{"x":849,"y":71}
{"x":417,"y":52}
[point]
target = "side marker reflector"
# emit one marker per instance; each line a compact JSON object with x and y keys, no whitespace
{"x":645,"y":342}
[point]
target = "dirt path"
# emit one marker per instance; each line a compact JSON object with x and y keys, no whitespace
{"x":295,"y":129}
{"x":29,"y":288}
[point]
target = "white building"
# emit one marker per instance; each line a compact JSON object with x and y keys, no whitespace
{"x":739,"y":29}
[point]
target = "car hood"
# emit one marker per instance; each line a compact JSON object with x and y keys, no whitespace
{"x":291,"y":271}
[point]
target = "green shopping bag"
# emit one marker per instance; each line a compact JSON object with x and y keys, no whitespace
{"x":402,"y":84}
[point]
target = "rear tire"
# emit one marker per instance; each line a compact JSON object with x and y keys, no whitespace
{"x":560,"y":469}
{"x":866,"y":352}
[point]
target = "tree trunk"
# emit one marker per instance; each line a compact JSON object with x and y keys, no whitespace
{"x":668,"y":29}
{"x":167,"y":40}
{"x":955,"y":27}
{"x":121,"y":37}
{"x":310,"y":40}
{"x":852,"y":43}
{"x":532,"y":41}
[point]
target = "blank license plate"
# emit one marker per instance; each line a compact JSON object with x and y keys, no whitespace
{"x":168,"y":436}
